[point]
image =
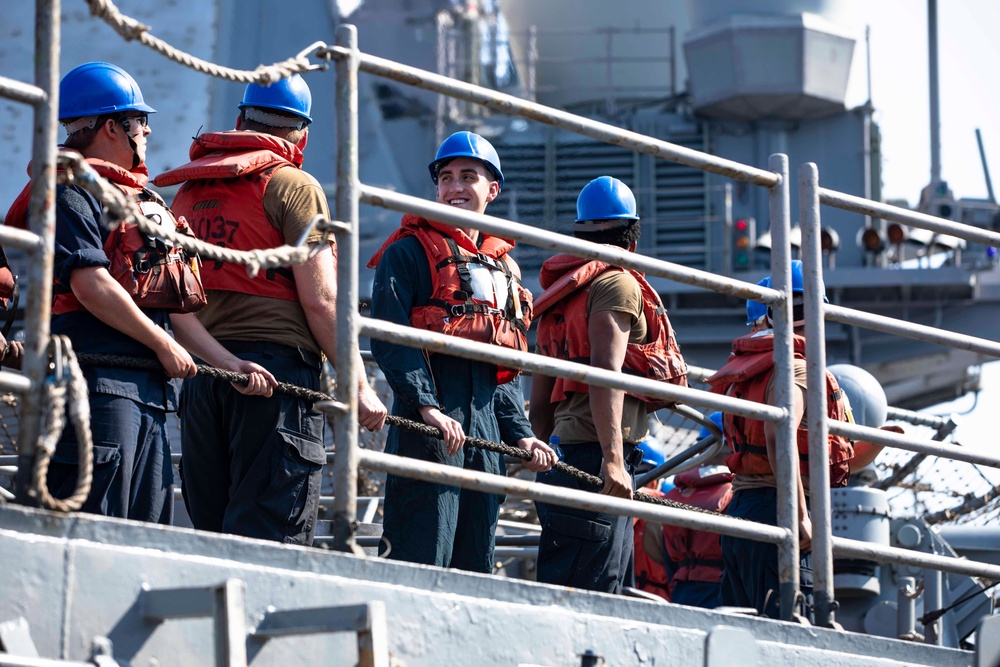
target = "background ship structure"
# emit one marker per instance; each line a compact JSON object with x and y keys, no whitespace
{"x":736,"y":80}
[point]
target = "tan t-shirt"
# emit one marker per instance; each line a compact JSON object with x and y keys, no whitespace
{"x":757,"y":481}
{"x":614,"y":291}
{"x":292,"y":199}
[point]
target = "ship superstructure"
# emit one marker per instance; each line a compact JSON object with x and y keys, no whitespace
{"x":153,"y":595}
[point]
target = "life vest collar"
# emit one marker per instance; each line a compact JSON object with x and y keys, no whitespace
{"x":752,"y":355}
{"x":134,"y":179}
{"x":453,"y":309}
{"x":229,"y":155}
{"x":746,"y":376}
{"x":563,"y":329}
{"x":242,"y":140}
{"x":562,"y":275}
{"x":489,"y":245}
{"x":227,"y":210}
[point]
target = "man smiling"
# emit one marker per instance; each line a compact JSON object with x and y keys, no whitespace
{"x":460,"y":282}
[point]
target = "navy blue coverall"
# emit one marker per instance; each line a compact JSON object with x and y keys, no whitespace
{"x":436,"y":524}
{"x":133,"y":478}
{"x":750,"y":568}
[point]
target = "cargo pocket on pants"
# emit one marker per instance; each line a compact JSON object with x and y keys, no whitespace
{"x":64,"y":473}
{"x":573,"y":547}
{"x":299,"y":477}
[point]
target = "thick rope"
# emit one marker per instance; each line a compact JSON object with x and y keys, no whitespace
{"x":72,"y":385}
{"x":593,"y":481}
{"x":118,"y":207}
{"x":131,"y":29}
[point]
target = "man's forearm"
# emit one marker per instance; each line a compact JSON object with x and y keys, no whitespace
{"x":325,"y":335}
{"x":541,"y":412}
{"x":192,"y":335}
{"x":106,"y":300}
{"x":606,"y":409}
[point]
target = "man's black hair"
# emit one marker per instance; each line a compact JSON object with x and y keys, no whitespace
{"x":623,"y":237}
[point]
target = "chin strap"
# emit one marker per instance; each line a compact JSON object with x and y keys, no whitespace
{"x":126,"y":125}
{"x":135,"y":150}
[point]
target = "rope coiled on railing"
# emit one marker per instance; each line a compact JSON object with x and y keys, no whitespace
{"x":131,"y":29}
{"x":67,"y":389}
{"x":592,"y":481}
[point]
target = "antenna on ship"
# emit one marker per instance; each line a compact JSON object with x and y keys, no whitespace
{"x":935,"y":110}
{"x":936,"y":198}
{"x":986,"y":169}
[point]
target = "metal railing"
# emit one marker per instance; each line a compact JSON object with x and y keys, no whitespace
{"x":811,"y":197}
{"x":776,"y":180}
{"x":349,"y":325}
{"x":350,"y":192}
{"x":38,"y":243}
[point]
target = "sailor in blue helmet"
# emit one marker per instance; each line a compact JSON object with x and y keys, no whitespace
{"x":757,"y":311}
{"x":462,"y":282}
{"x":252,"y":467}
{"x":694,"y":557}
{"x":594,"y":312}
{"x":751,"y":568}
{"x":107,"y":304}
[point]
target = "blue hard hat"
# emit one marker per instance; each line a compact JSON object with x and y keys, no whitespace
{"x":651,"y":457}
{"x":716,"y":418}
{"x":798,"y":282}
{"x":97,"y":88}
{"x":755,"y":309}
{"x":291,"y":95}
{"x":605,"y":198}
{"x":467,"y":144}
{"x":798,"y":286}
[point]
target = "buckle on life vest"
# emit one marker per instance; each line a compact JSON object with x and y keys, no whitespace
{"x":463,"y":309}
{"x":470,"y":309}
{"x":492,"y":263}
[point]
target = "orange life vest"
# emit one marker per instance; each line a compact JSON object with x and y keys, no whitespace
{"x":453,"y":309}
{"x":745,"y":376}
{"x":650,"y":573}
{"x":223,"y":200}
{"x":563,"y":326}
{"x":697,"y":553}
{"x":17,"y":216}
{"x":155,"y":274}
{"x":8,"y":283}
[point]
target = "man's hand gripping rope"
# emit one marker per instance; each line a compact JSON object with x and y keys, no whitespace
{"x":529,"y":455}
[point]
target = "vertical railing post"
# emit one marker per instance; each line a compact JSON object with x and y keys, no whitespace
{"x":933,"y":601}
{"x":345,"y":465}
{"x":935,"y":97}
{"x":42,"y":217}
{"x":786,"y":470}
{"x":816,"y":399}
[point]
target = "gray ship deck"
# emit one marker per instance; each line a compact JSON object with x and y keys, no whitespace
{"x":79,"y":576}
